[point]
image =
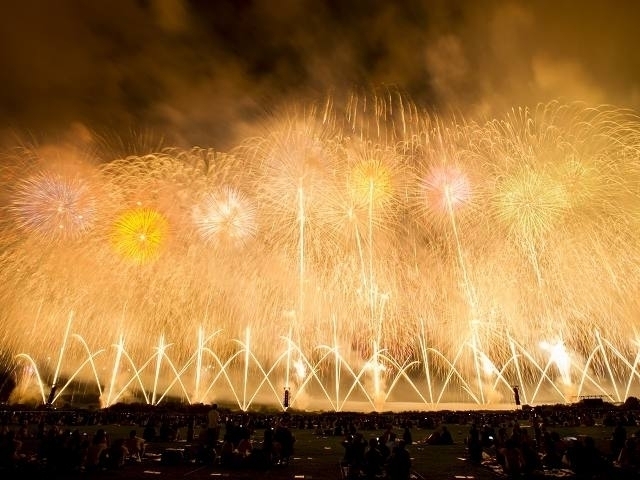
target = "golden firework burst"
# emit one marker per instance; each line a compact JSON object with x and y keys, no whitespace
{"x":371,"y":182}
{"x":530,"y":203}
{"x":139,"y":234}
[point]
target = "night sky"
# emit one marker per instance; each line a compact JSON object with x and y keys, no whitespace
{"x":206,"y":72}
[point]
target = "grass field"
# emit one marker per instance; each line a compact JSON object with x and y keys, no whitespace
{"x":318,"y":457}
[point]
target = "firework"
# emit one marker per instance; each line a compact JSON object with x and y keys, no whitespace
{"x":226,"y":217}
{"x":54,"y":207}
{"x":446,"y":189}
{"x":139,"y":234}
{"x":370,"y":183}
{"x":378,"y":251}
{"x":530,"y":204}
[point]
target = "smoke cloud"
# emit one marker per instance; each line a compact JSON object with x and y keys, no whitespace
{"x":203,"y":72}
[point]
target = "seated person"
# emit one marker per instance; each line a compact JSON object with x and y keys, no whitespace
{"x":97,"y":453}
{"x":445,"y":436}
{"x":135,"y":445}
{"x":244,"y":446}
{"x":441,"y":437}
{"x":227,"y":453}
{"x":117,"y":453}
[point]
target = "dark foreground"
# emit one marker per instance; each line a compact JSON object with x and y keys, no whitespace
{"x":564,"y":443}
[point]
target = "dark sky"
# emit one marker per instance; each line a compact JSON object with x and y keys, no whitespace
{"x":202,"y":71}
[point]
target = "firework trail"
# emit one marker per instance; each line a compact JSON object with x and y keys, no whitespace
{"x":475,"y":247}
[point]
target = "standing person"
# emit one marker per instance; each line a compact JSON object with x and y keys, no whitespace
{"x":213,"y":426}
{"x":474,"y":445}
{"x":406,"y":435}
{"x":191,"y":425}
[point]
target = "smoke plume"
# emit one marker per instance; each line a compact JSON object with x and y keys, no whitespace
{"x":202,"y":72}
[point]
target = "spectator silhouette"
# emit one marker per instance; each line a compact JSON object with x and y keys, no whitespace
{"x":149,"y":433}
{"x":474,"y":445}
{"x":213,"y":426}
{"x":97,"y":452}
{"x":373,"y":460}
{"x":618,"y":439}
{"x":399,"y":465}
{"x":135,"y":445}
{"x":445,"y":436}
{"x":283,"y":441}
{"x":513,"y":460}
{"x":406,"y":435}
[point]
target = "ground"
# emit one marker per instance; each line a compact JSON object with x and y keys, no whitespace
{"x":318,"y":457}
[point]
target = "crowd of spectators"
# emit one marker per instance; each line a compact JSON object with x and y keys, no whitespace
{"x":379,"y":457}
{"x":532,"y":447}
{"x":525,"y":443}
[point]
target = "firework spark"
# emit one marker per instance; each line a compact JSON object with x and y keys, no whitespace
{"x":54,"y":207}
{"x":454,"y":254}
{"x":139,"y":234}
{"x":226,"y":217}
{"x":446,"y":189}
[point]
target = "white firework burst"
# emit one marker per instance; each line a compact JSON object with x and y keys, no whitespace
{"x":226,"y":217}
{"x":54,"y":207}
